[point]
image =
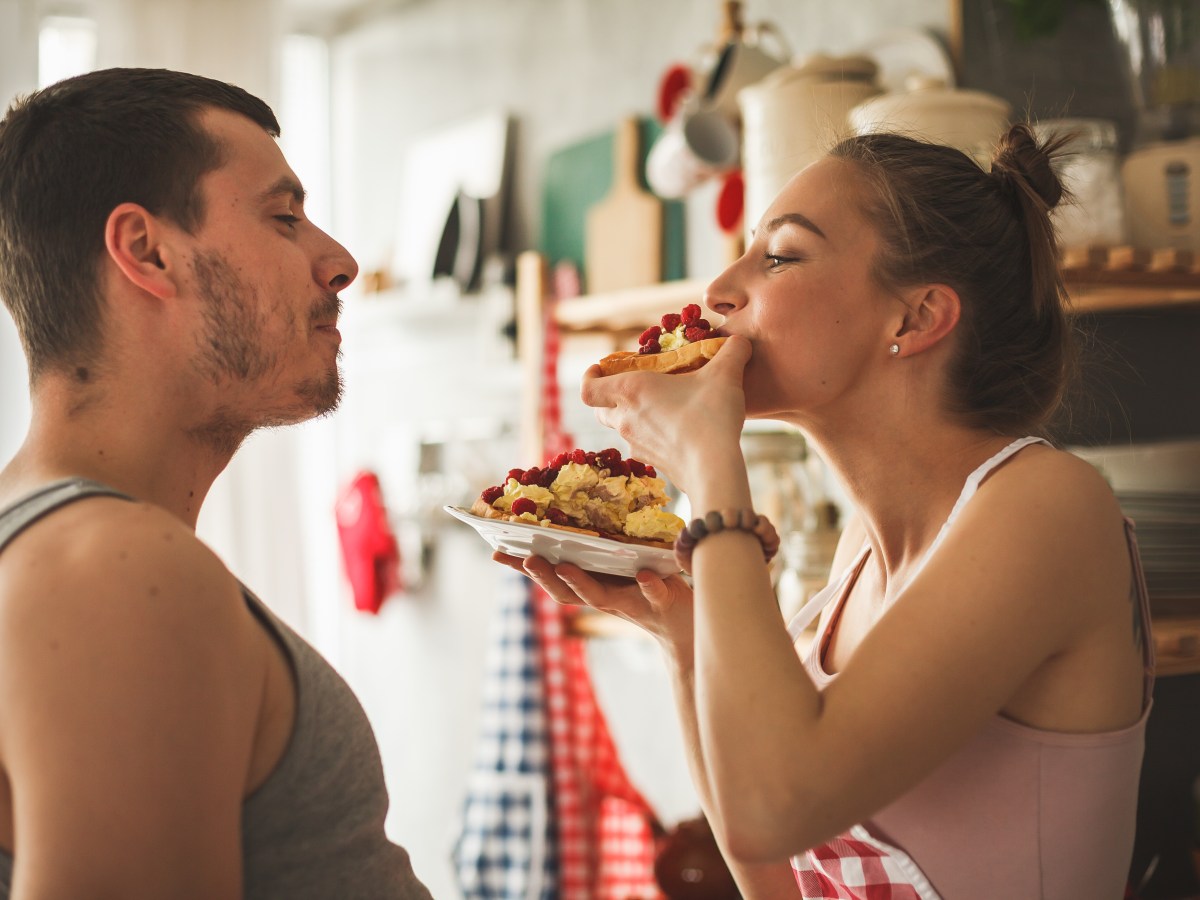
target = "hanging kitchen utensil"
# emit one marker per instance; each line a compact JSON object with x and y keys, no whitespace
{"x":460,"y":250}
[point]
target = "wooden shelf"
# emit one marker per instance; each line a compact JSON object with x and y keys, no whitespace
{"x":1104,"y":279}
{"x":1099,"y":279}
{"x":1177,"y":644}
{"x":627,"y":310}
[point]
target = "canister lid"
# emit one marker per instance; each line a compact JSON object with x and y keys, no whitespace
{"x":819,"y":67}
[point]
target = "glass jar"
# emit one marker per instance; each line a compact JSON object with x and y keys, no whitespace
{"x":789,"y":486}
{"x":1090,"y":169}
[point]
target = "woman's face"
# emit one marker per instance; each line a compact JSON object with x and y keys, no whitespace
{"x":803,"y":294}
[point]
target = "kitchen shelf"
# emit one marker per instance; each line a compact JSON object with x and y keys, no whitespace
{"x":1177,"y":644}
{"x":1098,"y":279}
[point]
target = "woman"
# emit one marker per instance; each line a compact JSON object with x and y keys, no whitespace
{"x":968,"y":722}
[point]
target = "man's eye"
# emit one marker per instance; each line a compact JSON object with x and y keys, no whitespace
{"x":289,"y":220}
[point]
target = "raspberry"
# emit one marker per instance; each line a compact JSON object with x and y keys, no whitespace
{"x":671,"y":321}
{"x":650,"y":334}
{"x":559,"y":461}
{"x":530,"y":476}
{"x":620,"y":467}
{"x":690,"y":313}
{"x":523,"y":505}
{"x":579,"y":457}
{"x":590,"y":457}
{"x":557,"y":516}
{"x":636,"y":467}
{"x":492,"y":494}
{"x":703,"y":323}
{"x":650,"y":347}
{"x":607,"y":457}
{"x":547,"y":477}
{"x":695,"y":333}
{"x":650,"y":473}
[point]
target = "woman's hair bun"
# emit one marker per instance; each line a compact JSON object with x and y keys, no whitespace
{"x":1021,"y":157}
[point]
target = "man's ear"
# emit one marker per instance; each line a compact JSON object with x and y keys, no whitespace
{"x":134,"y":239}
{"x":933,"y":312}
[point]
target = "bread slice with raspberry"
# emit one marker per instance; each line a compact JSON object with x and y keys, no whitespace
{"x":597,"y":494}
{"x":681,"y":342}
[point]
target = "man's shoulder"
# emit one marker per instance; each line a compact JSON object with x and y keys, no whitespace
{"x":115,"y":554}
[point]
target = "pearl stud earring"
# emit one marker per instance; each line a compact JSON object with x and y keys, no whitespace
{"x":894,"y":349}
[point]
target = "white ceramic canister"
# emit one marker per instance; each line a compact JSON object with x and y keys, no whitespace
{"x":792,"y":117}
{"x":1162,"y":195}
{"x":972,"y":121}
{"x":1090,"y":169}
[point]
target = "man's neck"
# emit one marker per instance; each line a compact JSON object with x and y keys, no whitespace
{"x":138,"y":448}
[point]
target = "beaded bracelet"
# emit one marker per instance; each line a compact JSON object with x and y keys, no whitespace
{"x":735,"y":520}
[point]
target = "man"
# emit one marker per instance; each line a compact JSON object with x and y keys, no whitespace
{"x":161,"y":733}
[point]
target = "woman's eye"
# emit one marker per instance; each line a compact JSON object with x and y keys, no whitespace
{"x":774,"y":260}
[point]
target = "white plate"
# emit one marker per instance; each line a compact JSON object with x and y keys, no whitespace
{"x":595,"y":554}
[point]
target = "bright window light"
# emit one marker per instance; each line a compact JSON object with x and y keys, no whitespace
{"x":66,"y":47}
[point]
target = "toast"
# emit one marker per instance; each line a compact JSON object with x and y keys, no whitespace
{"x":685,"y":359}
{"x":681,"y":342}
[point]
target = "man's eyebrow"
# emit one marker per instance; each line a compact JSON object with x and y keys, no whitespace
{"x":794,"y":219}
{"x":285,"y":185}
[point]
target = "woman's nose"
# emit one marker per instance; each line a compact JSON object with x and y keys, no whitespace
{"x":724,"y":294}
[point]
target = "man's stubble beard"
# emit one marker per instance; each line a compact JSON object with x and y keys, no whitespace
{"x":230,"y":351}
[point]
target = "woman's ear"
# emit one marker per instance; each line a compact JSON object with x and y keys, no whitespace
{"x":134,"y":239}
{"x":933,"y":311}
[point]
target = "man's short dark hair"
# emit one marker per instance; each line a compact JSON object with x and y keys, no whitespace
{"x":69,"y":155}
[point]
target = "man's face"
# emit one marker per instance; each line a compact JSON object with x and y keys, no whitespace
{"x":265,"y":280}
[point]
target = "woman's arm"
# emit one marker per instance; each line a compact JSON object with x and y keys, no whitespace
{"x":1015,"y":583}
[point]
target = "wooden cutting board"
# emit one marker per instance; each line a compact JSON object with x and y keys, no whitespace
{"x":624,"y":231}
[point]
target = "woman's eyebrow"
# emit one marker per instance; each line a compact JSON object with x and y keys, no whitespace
{"x":794,"y":219}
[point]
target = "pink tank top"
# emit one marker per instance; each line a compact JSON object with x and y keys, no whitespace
{"x":1016,"y":813}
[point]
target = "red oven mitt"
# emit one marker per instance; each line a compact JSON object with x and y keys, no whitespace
{"x":370,"y":553}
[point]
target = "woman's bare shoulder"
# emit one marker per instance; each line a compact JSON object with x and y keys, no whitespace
{"x":1055,"y":482}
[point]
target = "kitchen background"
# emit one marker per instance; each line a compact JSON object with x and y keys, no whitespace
{"x":388,"y":108}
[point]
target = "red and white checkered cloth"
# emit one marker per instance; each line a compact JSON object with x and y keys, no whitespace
{"x":606,"y":829}
{"x":859,"y":866}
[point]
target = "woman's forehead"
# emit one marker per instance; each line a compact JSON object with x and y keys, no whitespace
{"x":830,"y":193}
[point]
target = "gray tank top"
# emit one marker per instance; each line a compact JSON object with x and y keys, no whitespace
{"x":314,"y":829}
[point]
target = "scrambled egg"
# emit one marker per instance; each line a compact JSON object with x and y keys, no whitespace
{"x":514,"y":490}
{"x":572,"y":488}
{"x":653,"y":523}
{"x":672,"y":340}
{"x":647,"y":491}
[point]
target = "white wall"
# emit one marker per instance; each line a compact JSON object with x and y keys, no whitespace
{"x":18,"y":75}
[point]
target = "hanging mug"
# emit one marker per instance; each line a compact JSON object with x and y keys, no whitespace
{"x":741,"y":62}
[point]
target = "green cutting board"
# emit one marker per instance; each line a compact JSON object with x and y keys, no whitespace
{"x":578,"y":176}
